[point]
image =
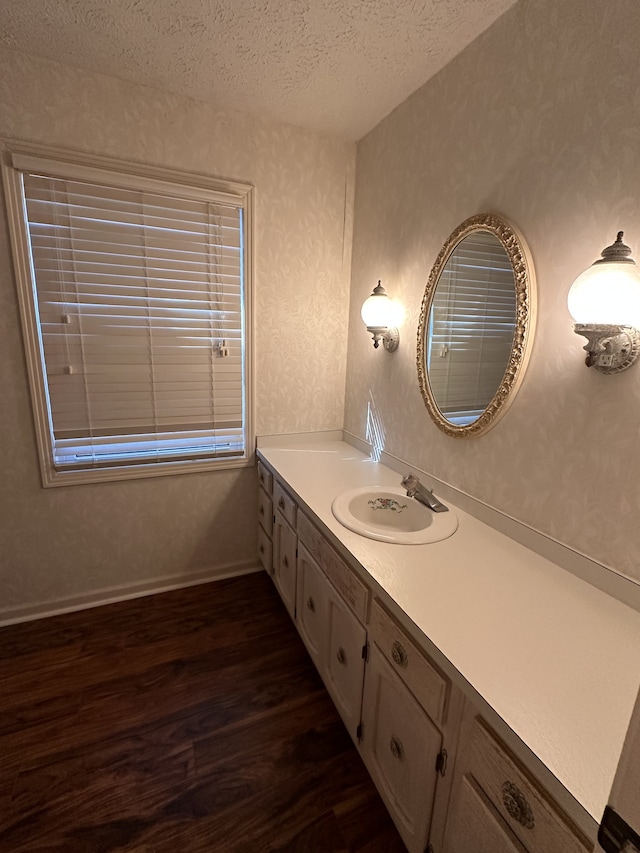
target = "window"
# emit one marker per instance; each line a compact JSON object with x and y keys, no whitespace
{"x":134,"y":291}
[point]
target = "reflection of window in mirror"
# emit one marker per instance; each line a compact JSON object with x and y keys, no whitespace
{"x":471,"y":326}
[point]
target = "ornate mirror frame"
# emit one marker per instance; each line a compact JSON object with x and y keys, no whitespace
{"x":524,"y":283}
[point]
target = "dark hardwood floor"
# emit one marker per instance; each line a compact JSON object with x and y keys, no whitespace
{"x":188,"y":721}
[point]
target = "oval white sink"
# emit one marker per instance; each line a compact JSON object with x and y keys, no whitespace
{"x":387,"y":514}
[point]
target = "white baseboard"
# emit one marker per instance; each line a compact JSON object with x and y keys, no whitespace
{"x":96,"y":598}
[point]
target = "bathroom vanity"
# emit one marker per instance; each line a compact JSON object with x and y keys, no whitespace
{"x":474,"y":675}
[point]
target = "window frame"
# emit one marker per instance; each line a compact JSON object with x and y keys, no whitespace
{"x":16,"y":158}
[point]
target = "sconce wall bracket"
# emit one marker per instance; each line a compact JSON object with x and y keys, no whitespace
{"x":610,"y":348}
{"x":390,"y":337}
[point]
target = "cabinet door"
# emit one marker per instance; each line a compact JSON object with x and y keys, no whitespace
{"x":343,"y":669}
{"x":284,"y":562}
{"x":474,"y":826}
{"x":400,"y":746}
{"x":311,"y":608}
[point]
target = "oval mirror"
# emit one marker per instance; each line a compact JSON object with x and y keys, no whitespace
{"x":475,"y":325}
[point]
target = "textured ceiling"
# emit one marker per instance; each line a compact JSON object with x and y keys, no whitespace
{"x":335,"y":66}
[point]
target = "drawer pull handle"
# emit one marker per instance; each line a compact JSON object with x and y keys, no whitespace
{"x":281,"y":504}
{"x":516,"y":804}
{"x":311,"y":604}
{"x":397,"y":749}
{"x":285,"y":562}
{"x":261,"y":549}
{"x":341,"y":656}
{"x":399,"y":655}
{"x":261,"y":510}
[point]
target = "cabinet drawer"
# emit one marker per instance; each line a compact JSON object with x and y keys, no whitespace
{"x":426,"y":682}
{"x":474,"y":826}
{"x":265,"y":551}
{"x":265,"y":478}
{"x":265,"y":511}
{"x":284,"y":503}
{"x":350,"y":587}
{"x":529,"y":813}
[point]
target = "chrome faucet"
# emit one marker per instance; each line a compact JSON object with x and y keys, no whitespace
{"x":421,"y":493}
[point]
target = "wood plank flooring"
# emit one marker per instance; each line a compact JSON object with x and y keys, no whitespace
{"x":185,"y":722}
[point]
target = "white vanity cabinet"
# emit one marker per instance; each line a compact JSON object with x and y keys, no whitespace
{"x":497,"y":806}
{"x":448,"y":782}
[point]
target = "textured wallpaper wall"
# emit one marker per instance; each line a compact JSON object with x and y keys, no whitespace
{"x":58,"y":543}
{"x":537,"y":120}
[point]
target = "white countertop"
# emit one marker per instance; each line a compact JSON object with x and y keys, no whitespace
{"x":556,"y":659}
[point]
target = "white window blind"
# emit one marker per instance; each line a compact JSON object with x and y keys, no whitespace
{"x":140,"y":306}
{"x":472,"y":324}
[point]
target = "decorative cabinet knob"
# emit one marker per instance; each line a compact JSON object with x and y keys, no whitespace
{"x":399,"y":655}
{"x":516,"y":805}
{"x":281,"y":504}
{"x":341,"y":656}
{"x":397,"y":749}
{"x":311,"y":604}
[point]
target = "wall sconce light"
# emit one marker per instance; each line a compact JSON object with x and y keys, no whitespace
{"x":381,"y":315}
{"x":604,"y":301}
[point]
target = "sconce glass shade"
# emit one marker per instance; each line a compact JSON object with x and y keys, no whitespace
{"x":608,"y":292}
{"x":379,"y":311}
{"x":381,"y":315}
{"x":604,"y":301}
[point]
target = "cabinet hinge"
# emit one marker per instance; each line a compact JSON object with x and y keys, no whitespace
{"x":615,"y":835}
{"x":359,"y":731}
{"x":441,"y":762}
{"x":365,"y":652}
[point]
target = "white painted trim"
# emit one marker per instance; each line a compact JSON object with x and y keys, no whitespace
{"x":130,"y":173}
{"x":111,"y":595}
{"x":602,"y":577}
{"x":16,"y":155}
{"x":30,"y":333}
